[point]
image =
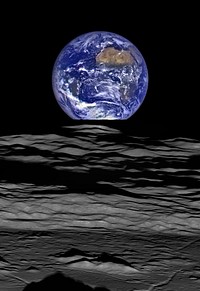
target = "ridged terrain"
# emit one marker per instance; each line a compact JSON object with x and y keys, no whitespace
{"x":100,"y":206}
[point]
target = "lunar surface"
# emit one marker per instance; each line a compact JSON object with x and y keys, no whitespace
{"x":92,"y":207}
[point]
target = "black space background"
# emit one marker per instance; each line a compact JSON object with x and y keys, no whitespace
{"x":167,"y":36}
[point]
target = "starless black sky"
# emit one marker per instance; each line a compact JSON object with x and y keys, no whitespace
{"x":165,"y":36}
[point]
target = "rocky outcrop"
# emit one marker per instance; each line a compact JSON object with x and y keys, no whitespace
{"x":59,"y":282}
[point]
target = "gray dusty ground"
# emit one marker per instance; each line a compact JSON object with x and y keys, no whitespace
{"x":102,"y":207}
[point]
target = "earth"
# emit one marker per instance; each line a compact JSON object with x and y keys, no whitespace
{"x":100,"y":75}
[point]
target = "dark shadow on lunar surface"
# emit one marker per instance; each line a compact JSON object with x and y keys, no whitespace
{"x":61,"y":283}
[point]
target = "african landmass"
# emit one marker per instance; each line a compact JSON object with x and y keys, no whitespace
{"x":113,"y":56}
